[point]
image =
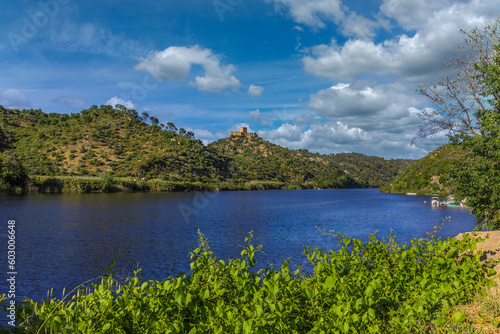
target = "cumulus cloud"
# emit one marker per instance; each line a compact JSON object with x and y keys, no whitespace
{"x":71,"y":102}
{"x":116,"y":100}
{"x":319,"y":13}
{"x":432,"y":33}
{"x":354,"y":25}
{"x":14,"y":98}
{"x":312,"y":13}
{"x":174,"y":64}
{"x":255,"y":91}
{"x":337,"y":137}
{"x":370,"y":108}
{"x":409,"y":58}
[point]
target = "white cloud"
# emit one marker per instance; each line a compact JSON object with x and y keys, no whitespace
{"x":204,"y":135}
{"x":116,"y":100}
{"x":174,"y":63}
{"x":285,"y":133}
{"x":370,"y":108}
{"x":14,"y":98}
{"x":337,"y":137}
{"x":432,"y":35}
{"x":71,"y":102}
{"x":319,"y":13}
{"x":312,"y":13}
{"x":255,"y":91}
{"x":409,"y":58}
{"x":358,"y":26}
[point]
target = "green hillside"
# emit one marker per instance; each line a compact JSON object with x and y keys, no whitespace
{"x":102,"y":140}
{"x":429,"y":174}
{"x":372,"y":170}
{"x":121,"y":145}
{"x":255,"y":158}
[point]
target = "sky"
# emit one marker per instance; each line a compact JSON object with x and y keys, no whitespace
{"x":329,"y":76}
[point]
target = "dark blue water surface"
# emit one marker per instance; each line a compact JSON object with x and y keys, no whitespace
{"x":66,"y":239}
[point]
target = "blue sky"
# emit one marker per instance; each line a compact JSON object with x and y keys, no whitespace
{"x":325,"y":75}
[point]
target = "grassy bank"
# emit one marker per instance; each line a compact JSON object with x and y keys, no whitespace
{"x":106,"y":183}
{"x":378,"y":286}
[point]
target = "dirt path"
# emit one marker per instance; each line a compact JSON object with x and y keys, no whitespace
{"x":491,"y":251}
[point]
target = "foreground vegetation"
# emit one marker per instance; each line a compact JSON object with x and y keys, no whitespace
{"x":375,"y":287}
{"x":118,"y":143}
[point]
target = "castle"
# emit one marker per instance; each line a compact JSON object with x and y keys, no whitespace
{"x":243,"y":133}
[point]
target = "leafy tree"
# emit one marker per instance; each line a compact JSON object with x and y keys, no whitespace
{"x":478,"y":180}
{"x":154,"y":120}
{"x":145,"y":117}
{"x":13,"y":176}
{"x":171,"y":126}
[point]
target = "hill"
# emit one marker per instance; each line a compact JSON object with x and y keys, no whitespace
{"x":255,"y":158}
{"x":429,"y":174}
{"x":120,"y":143}
{"x":372,"y":170}
{"x":103,"y":140}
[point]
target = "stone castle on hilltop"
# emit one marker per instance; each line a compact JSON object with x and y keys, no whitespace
{"x":243,"y":133}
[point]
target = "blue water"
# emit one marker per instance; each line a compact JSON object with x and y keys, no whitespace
{"x":66,"y":239}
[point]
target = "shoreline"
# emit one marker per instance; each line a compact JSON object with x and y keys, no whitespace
{"x":108,"y":184}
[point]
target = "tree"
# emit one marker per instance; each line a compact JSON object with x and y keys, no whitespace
{"x":145,"y":117}
{"x":457,"y":96}
{"x":154,"y":120}
{"x":171,"y":126}
{"x":478,"y":180}
{"x":13,"y":176}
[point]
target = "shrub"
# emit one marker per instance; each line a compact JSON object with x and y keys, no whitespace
{"x":373,"y":287}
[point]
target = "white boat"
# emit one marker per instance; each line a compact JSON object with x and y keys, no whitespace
{"x":435,"y":201}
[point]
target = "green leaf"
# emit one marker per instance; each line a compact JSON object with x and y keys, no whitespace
{"x":371,"y":313}
{"x":247,"y":327}
{"x":259,"y":310}
{"x":309,"y":293}
{"x":330,"y":282}
{"x":458,"y":317}
{"x":368,"y":291}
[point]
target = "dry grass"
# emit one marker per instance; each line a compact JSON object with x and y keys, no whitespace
{"x":485,"y":309}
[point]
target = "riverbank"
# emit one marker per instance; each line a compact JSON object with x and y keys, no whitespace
{"x":108,"y":184}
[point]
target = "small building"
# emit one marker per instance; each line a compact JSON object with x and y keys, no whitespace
{"x":244,"y":133}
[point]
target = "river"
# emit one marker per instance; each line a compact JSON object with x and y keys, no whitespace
{"x":63,"y":240}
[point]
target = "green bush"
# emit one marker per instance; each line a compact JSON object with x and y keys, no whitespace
{"x":375,"y":287}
